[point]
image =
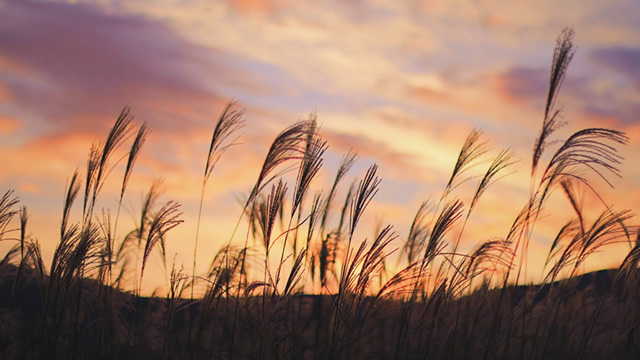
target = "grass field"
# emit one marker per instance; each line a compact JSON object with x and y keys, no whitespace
{"x":300,"y":283}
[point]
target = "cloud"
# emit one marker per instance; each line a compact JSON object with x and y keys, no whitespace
{"x":74,"y":65}
{"x":618,"y":115}
{"x":428,"y":95}
{"x":30,"y":188}
{"x":523,"y":85}
{"x":253,"y":6}
{"x":49,"y":157}
{"x":367,"y":148}
{"x":8,"y":125}
{"x":4,"y":93}
{"x":594,"y":100}
{"x":622,"y":60}
{"x":406,"y":147}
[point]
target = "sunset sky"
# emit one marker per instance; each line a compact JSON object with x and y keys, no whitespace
{"x":400,"y":82}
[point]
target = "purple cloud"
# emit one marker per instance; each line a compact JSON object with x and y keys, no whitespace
{"x":624,"y":60}
{"x":523,"y":84}
{"x":64,"y":63}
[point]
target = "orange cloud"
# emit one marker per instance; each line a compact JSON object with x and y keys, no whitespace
{"x":4,"y":94}
{"x":428,"y":96}
{"x":47,"y":157}
{"x":8,"y":124}
{"x":493,"y":21}
{"x":522,"y":86}
{"x":253,"y":6}
{"x":30,"y":188}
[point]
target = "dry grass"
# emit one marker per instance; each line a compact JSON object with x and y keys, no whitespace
{"x":440,"y":303}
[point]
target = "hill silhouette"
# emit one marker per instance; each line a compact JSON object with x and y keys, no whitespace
{"x":592,"y":297}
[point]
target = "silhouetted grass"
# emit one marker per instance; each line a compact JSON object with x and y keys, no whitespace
{"x":439,"y":303}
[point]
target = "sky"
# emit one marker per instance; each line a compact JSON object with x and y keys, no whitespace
{"x":402,"y":83}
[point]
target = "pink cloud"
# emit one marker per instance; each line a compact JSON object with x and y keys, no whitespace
{"x":522,"y":85}
{"x":428,"y":96}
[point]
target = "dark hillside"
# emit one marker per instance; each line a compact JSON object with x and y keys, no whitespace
{"x":266,"y":328}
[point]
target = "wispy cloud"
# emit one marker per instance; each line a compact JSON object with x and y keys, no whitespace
{"x":76,"y":65}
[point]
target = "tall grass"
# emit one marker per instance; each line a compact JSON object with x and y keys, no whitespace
{"x":311,"y":286}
